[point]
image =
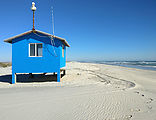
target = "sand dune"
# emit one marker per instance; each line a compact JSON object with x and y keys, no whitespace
{"x":88,"y":92}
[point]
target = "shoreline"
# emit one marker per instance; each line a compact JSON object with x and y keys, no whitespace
{"x":153,"y":68}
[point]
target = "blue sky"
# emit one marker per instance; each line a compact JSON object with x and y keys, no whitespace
{"x":95,"y":29}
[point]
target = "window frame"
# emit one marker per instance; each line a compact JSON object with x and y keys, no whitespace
{"x":63,"y":48}
{"x":35,"y":49}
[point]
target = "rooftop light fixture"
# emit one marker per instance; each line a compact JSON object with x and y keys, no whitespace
{"x":33,"y":8}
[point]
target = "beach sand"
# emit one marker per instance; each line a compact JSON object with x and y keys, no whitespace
{"x":87,"y":92}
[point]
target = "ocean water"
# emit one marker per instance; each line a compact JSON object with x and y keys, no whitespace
{"x":146,"y":65}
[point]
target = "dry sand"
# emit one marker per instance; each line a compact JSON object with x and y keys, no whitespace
{"x":88,"y":92}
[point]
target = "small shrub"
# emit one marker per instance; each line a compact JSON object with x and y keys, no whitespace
{"x":4,"y":64}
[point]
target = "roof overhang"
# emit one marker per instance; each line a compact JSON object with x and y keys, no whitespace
{"x":9,"y":40}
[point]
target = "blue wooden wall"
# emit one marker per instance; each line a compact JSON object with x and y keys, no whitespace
{"x":49,"y":62}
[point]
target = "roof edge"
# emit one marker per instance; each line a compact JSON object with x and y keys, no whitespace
{"x":9,"y":40}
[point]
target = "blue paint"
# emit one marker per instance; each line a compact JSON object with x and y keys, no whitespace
{"x":58,"y":76}
{"x":48,"y":63}
{"x":13,"y":78}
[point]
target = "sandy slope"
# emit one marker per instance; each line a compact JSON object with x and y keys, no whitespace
{"x":87,"y":92}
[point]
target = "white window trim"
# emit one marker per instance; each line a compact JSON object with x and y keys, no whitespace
{"x":35,"y":50}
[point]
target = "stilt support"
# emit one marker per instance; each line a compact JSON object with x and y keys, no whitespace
{"x":31,"y":75}
{"x":13,"y":78}
{"x":64,"y":72}
{"x":58,"y":76}
{"x":44,"y":73}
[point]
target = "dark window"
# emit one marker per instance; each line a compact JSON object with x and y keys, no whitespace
{"x":39,"y":49}
{"x":35,"y":50}
{"x":32,"y":49}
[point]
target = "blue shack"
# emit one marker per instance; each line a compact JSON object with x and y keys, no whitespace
{"x":37,"y":52}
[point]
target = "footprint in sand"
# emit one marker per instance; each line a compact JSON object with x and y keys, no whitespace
{"x":150,"y":107}
{"x":150,"y":100}
{"x":129,"y":116}
{"x":143,"y":95}
{"x":136,"y":110}
{"x":136,"y":92}
{"x":139,"y":93}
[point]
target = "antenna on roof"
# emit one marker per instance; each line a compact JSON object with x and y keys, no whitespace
{"x":52,"y":37}
{"x":33,"y":8}
{"x":52,"y":10}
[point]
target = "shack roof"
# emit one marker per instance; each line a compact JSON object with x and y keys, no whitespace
{"x":9,"y":40}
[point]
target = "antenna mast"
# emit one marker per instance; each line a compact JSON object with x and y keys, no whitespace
{"x":33,"y":8}
{"x":52,"y":37}
{"x":52,"y":19}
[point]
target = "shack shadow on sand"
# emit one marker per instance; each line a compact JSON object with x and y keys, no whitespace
{"x":26,"y":78}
